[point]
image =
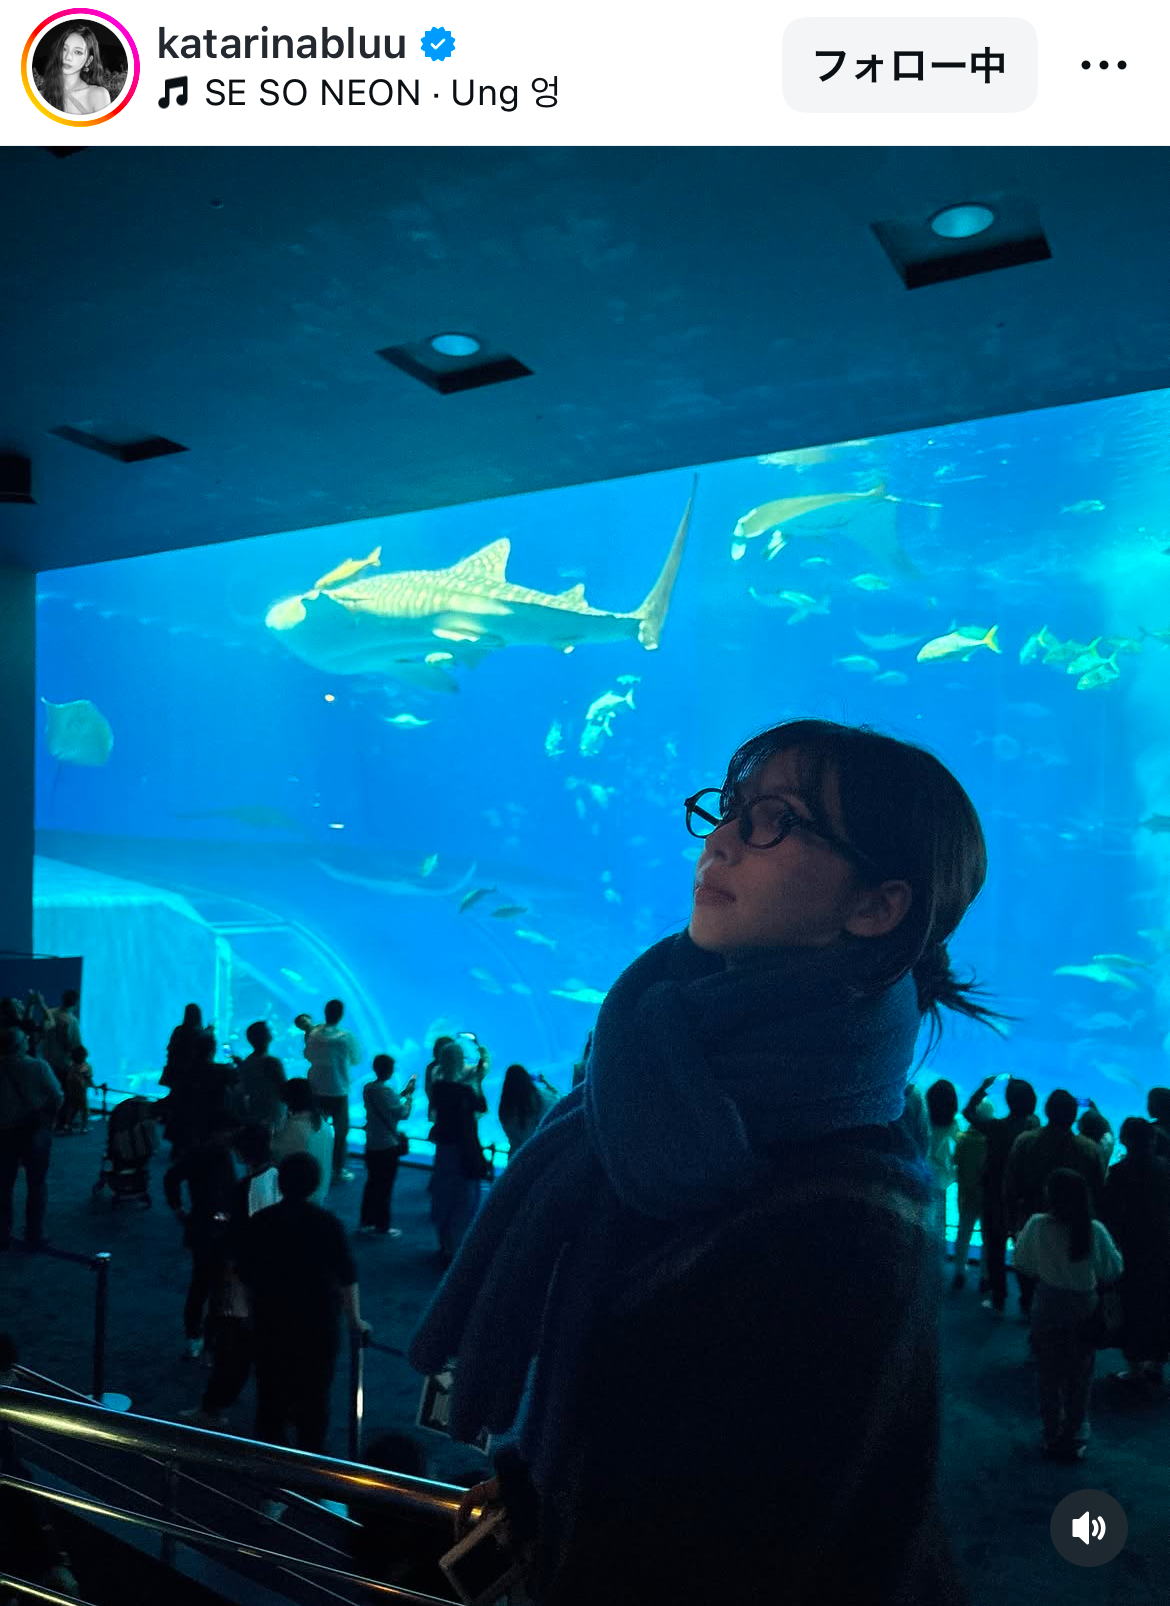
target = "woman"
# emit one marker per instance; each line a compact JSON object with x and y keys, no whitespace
{"x":524,"y":1102}
{"x":1136,"y":1210}
{"x":429,"y":1073}
{"x":1094,"y":1126}
{"x":942,"y":1105}
{"x":459,"y":1169}
{"x":304,"y":1128}
{"x":185,"y":1043}
{"x":74,"y":80}
{"x":1072,"y":1256}
{"x":717,"y":1248}
{"x":199,"y":1085}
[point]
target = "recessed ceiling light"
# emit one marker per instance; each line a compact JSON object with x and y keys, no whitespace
{"x":932,"y":246}
{"x":961,"y":222}
{"x":455,"y":345}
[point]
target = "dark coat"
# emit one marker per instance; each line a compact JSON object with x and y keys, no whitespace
{"x":762,"y":1373}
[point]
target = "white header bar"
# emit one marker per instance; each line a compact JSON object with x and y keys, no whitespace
{"x":613,"y":72}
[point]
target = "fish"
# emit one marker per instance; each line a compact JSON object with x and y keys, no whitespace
{"x":536,"y":937}
{"x":869,"y":582}
{"x":815,"y":563}
{"x":554,"y":743}
{"x":1097,"y":972}
{"x":1006,"y":747}
{"x":611,"y":896}
{"x":395,"y":887}
{"x":887,"y":643}
{"x":1088,"y":506}
{"x":78,"y":733}
{"x":1062,"y":652}
{"x":787,"y":508}
{"x":346,"y":570}
{"x":1112,"y":645}
{"x":1124,"y":960}
{"x":260,"y":816}
{"x":601,"y":794}
{"x":1158,"y":823}
{"x":1086,"y":660}
{"x":519,"y":987}
{"x":959,"y":643}
{"x":1102,"y":675}
{"x":476,"y":897}
{"x":293,"y":976}
{"x":487,"y":981}
{"x":429,"y":864}
{"x":859,"y":664}
{"x":1158,"y":935}
{"x":1121,"y":1074}
{"x":891,"y":677}
{"x":799,"y":601}
{"x":579,"y":994}
{"x":387,"y":624}
{"x":799,"y":457}
{"x":404,"y":721}
{"x":510,"y":911}
{"x":599,"y":721}
{"x":738,"y":548}
{"x":1103,"y":1021}
{"x":601,"y":708}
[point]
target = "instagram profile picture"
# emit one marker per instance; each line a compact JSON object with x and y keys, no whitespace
{"x":80,"y":67}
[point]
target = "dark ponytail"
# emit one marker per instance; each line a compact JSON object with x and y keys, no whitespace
{"x":1067,"y":1196}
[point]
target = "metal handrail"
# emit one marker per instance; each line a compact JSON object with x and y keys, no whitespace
{"x":22,"y":1587}
{"x":167,"y":1474}
{"x":265,"y":1463}
{"x":197,"y":1537}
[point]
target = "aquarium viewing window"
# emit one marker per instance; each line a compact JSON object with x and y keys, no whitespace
{"x":434,"y":765}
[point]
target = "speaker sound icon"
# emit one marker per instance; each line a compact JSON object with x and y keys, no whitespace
{"x":1085,"y":1525}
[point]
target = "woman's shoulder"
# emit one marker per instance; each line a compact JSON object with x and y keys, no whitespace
{"x":98,"y":97}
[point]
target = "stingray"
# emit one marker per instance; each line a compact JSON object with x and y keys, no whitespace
{"x":78,"y":733}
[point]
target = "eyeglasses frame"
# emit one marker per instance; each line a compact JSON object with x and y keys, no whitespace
{"x":790,"y":822}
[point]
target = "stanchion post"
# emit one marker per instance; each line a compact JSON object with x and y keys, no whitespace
{"x":101,"y":1309}
{"x":356,"y":1393}
{"x":105,"y":1094}
{"x":101,"y":1265}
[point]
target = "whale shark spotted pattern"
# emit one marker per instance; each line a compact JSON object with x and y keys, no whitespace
{"x":389,"y":624}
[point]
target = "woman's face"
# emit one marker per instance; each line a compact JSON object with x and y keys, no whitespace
{"x":74,"y":53}
{"x":801,"y":894}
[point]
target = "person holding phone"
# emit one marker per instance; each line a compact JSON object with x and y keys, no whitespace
{"x":384,"y":1145}
{"x":655,"y":1312}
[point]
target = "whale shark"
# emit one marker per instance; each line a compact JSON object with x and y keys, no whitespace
{"x":417,"y":624}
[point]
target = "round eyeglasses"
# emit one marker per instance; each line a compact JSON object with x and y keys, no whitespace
{"x":763,"y":822}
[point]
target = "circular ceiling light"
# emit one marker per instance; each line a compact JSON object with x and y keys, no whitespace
{"x":961,"y":222}
{"x":455,"y":345}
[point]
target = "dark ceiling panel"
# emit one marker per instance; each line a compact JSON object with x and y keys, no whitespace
{"x":675,"y":306}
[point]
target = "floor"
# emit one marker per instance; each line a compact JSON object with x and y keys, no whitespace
{"x":998,"y":1491}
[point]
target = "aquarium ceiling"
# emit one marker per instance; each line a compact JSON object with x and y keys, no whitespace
{"x":219,"y":343}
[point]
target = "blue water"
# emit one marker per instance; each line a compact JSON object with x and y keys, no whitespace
{"x":147,"y":867}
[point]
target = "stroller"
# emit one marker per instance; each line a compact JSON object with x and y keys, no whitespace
{"x":131,"y":1139}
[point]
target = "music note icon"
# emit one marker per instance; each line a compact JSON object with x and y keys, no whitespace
{"x":181,"y":98}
